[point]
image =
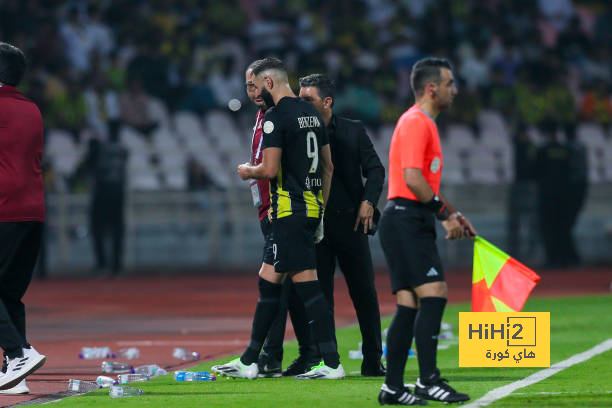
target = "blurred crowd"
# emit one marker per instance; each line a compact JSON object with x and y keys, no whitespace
{"x":95,"y":65}
{"x":96,"y":60}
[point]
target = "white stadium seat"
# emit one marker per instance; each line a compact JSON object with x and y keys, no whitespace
{"x":222,"y":129}
{"x":459,"y":136}
{"x":62,"y":152}
{"x":175,"y":179}
{"x":144,"y":181}
{"x":159,"y":112}
{"x":591,"y":134}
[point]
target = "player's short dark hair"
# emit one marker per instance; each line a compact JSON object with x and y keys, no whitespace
{"x":12,"y":64}
{"x":427,"y":70}
{"x":264,"y":64}
{"x":325,"y":86}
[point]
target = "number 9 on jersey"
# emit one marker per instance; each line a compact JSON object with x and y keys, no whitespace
{"x":312,"y":151}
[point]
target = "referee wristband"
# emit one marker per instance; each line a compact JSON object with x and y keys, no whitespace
{"x":436,"y":206}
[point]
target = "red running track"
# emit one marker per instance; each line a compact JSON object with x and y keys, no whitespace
{"x":210,"y":314}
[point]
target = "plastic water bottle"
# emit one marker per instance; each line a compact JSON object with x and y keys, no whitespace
{"x":194,"y":376}
{"x":129,"y":353}
{"x":183,"y":354}
{"x":105,"y":381}
{"x":356,"y":354}
{"x":151,"y":370}
{"x":129,"y":378}
{"x":446,"y":326}
{"x":82,"y":386}
{"x":445,"y":335}
{"x":89,"y":353}
{"x":117,"y":391}
{"x":116,"y":367}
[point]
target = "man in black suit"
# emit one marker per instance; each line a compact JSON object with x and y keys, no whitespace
{"x":349,"y":216}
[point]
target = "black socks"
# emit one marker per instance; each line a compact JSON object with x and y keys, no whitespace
{"x":399,"y":340}
{"x":426,"y":331}
{"x":318,"y":314}
{"x":265,"y":313}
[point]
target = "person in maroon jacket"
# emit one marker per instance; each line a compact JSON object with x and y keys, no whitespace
{"x":22,"y":213}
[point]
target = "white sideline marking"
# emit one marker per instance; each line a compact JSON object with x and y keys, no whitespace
{"x":562,"y":393}
{"x":501,"y":392}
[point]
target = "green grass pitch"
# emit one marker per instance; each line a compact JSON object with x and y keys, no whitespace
{"x":577,"y":324}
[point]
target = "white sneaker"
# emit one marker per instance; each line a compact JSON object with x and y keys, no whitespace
{"x":20,"y":388}
{"x":19,"y":368}
{"x":322,"y":372}
{"x":237,"y":369}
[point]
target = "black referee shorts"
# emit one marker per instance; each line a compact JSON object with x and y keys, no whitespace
{"x":268,"y":249}
{"x":294,"y":243}
{"x":408,"y":237}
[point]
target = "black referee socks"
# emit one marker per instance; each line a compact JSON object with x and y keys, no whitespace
{"x":399,"y":340}
{"x":319,"y":315}
{"x":265,"y":313}
{"x":426,"y":331}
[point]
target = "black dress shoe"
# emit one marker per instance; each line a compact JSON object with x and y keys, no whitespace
{"x":374,"y":369}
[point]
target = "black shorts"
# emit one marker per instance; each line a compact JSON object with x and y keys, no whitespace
{"x":268,"y":249}
{"x":294,"y":243}
{"x":407,"y":233}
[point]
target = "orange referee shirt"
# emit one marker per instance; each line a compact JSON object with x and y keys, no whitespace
{"x":415,"y":144}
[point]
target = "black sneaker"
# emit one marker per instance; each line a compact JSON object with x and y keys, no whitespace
{"x":300,"y":365}
{"x":269,"y":368}
{"x":390,"y":396}
{"x":437,"y":389}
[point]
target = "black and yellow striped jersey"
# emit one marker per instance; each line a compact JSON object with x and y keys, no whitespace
{"x":296,"y":127}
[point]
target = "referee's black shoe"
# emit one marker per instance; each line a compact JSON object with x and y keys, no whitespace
{"x":391,"y":396}
{"x":436,"y":388}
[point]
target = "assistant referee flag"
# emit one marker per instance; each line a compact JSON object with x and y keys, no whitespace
{"x":499,"y":283}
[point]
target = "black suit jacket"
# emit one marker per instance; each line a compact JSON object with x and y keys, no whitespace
{"x":353,"y":156}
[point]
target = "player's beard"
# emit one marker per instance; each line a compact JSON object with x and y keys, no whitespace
{"x":267,"y":97}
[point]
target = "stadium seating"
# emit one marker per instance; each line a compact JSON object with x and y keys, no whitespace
{"x":219,"y":143}
{"x":221,"y":129}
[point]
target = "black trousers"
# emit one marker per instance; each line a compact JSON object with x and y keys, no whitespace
{"x":554,"y":227}
{"x":19,"y":247}
{"x":522,"y":220}
{"x":351,"y":251}
{"x":290,"y":302}
{"x":576,"y":196}
{"x":107,"y":221}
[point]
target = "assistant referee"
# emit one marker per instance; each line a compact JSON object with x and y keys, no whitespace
{"x":408,"y":238}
